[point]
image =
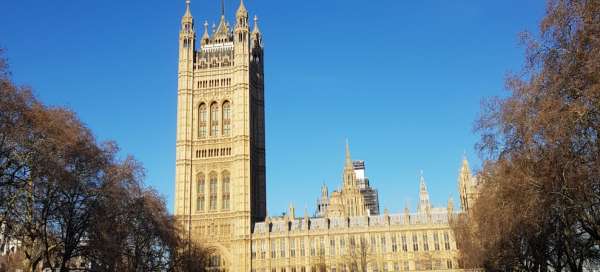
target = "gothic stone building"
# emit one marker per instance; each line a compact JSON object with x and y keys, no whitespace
{"x":220,"y":197}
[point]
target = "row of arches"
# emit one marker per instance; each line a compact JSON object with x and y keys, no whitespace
{"x":213,"y":152}
{"x":214,"y":119}
{"x":214,"y":188}
{"x":223,"y":82}
{"x":204,"y":64}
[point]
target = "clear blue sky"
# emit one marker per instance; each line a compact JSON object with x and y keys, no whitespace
{"x":403,"y":80}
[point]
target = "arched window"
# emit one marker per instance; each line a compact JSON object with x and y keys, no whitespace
{"x":200,"y":188}
{"x":226,"y":118}
{"x":213,"y":191}
{"x":214,"y":119}
{"x":226,"y":192}
{"x":202,"y":121}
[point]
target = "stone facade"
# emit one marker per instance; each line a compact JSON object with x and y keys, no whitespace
{"x":220,"y":149}
{"x":220,"y":197}
{"x":343,"y":236}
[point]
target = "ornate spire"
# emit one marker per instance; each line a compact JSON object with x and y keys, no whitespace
{"x":465,"y":162}
{"x":187,"y":16}
{"x":223,"y":28}
{"x":348,"y":163}
{"x":205,"y":36}
{"x":188,"y":12}
{"x":465,"y":184}
{"x":241,"y":11}
{"x":255,"y":30}
{"x":324,"y":191}
{"x":422,"y":186}
{"x":424,"y":204}
{"x":349,"y":176}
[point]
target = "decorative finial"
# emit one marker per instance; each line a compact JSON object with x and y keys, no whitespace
{"x":205,"y":36}
{"x":241,"y":11}
{"x":188,"y":13}
{"x":256,"y":30}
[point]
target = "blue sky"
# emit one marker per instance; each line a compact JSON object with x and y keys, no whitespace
{"x":402,"y":80}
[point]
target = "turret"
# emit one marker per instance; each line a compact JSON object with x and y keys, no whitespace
{"x":241,"y":26}
{"x":187,"y":39}
{"x":256,"y":35}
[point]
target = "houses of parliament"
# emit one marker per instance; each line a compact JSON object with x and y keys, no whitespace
{"x":220,"y":196}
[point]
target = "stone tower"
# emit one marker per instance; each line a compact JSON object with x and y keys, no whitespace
{"x":220,"y":149}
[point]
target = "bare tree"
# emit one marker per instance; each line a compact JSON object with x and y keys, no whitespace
{"x":320,"y":263}
{"x":358,"y":255}
{"x":539,"y":198}
{"x":70,"y":203}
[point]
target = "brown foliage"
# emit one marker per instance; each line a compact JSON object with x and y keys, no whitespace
{"x":539,"y":200}
{"x":69,"y":201}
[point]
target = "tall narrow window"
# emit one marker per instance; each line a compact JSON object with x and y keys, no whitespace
{"x":226,"y":118}
{"x":200,"y":192}
{"x":214,"y":119}
{"x":202,"y":121}
{"x":332,"y":247}
{"x":415,"y":243}
{"x":425,"y":242}
{"x":446,"y":241}
{"x":394,"y":243}
{"x":213,"y":191}
{"x":373,"y":243}
{"x":292,"y":247}
{"x":226,"y":192}
{"x":322,"y":247}
{"x":436,"y":241}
